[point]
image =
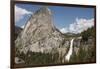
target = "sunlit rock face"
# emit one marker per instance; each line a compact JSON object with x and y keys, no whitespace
{"x":39,"y":34}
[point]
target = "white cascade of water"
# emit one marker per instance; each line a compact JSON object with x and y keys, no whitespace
{"x":68,"y":55}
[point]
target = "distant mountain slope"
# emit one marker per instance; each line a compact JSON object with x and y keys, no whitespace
{"x":39,"y":34}
{"x":17,"y":31}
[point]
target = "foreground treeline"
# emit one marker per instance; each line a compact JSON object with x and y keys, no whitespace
{"x":38,"y":58}
{"x":83,"y":52}
{"x":84,"y":55}
{"x":87,"y":48}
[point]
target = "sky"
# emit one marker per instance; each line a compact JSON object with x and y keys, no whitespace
{"x":66,"y":19}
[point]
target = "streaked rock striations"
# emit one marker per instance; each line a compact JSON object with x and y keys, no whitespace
{"x":40,"y":35}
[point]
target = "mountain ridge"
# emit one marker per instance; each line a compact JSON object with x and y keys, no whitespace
{"x":39,"y":34}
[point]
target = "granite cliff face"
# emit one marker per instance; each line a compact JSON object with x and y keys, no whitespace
{"x":40,"y":35}
{"x":40,"y":38}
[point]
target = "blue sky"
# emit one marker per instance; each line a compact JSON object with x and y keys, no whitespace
{"x":62,"y":16}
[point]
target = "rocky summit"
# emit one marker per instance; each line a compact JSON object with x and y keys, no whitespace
{"x":40,"y":42}
{"x":40,"y":34}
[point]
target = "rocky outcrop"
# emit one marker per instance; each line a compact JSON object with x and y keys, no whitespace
{"x":40,"y":35}
{"x":19,"y":60}
{"x":17,"y":31}
{"x":40,"y":38}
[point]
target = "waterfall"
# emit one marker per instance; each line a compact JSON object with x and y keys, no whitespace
{"x":68,"y":55}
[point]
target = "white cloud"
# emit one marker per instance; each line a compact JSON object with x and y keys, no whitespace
{"x":64,"y":30}
{"x":23,"y":26}
{"x":79,"y":25}
{"x":20,"y":12}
